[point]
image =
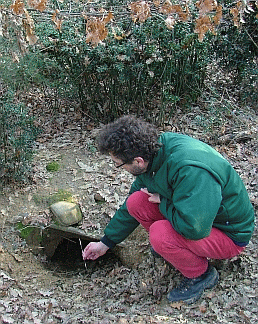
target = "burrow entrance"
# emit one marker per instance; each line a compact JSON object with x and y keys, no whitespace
{"x":63,"y":247}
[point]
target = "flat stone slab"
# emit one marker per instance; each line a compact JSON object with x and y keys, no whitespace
{"x":53,"y":235}
{"x":46,"y":241}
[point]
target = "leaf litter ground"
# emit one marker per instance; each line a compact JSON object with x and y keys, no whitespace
{"x":35,"y":290}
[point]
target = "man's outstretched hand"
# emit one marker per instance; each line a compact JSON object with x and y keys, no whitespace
{"x":94,"y":250}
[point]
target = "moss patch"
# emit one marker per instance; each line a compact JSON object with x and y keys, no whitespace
{"x":53,"y":166}
{"x":30,"y":233}
{"x":60,"y":195}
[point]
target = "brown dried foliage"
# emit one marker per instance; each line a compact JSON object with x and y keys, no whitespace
{"x":210,"y":15}
{"x":206,"y":6}
{"x":96,"y":30}
{"x":57,"y":21}
{"x":202,"y":26}
{"x":169,"y":8}
{"x":29,"y":29}
{"x":38,"y":4}
{"x":140,"y":11}
{"x":17,"y":7}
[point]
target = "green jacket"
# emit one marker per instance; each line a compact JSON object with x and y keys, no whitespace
{"x":199,"y":189}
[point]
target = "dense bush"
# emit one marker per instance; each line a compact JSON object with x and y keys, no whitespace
{"x":236,"y":52}
{"x":148,"y":69}
{"x":140,"y":67}
{"x":17,"y":134}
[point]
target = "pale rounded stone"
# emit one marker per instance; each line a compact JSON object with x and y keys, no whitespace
{"x":66,"y":213}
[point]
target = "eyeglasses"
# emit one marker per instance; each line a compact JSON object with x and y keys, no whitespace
{"x":120,"y":165}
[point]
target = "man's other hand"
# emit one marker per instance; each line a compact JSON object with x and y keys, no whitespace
{"x":94,"y":250}
{"x":154,"y":197}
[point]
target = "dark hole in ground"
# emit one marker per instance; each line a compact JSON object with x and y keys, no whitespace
{"x":68,"y":257}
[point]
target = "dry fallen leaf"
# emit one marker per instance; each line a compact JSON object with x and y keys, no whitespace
{"x":235,"y":13}
{"x":202,"y":309}
{"x":17,"y":258}
{"x":177,"y":305}
{"x":178,"y":11}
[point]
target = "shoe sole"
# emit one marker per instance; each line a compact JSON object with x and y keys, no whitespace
{"x":198,"y":295}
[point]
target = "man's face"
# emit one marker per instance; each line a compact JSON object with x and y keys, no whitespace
{"x":138,"y":166}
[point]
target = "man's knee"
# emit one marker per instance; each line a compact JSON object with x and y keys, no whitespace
{"x":135,"y":200}
{"x":160,"y":232}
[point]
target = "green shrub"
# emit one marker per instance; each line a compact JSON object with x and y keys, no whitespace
{"x":236,"y":49}
{"x":150,"y":68}
{"x":17,"y":134}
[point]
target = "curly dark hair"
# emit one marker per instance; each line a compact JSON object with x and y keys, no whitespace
{"x":129,"y":137}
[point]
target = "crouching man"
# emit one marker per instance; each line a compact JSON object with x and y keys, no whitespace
{"x":186,"y":195}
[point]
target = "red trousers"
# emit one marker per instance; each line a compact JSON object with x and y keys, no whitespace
{"x":188,"y":256}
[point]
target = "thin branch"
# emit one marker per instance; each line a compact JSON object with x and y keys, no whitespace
{"x":251,"y":38}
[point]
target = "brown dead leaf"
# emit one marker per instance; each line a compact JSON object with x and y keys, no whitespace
{"x":96,"y":30}
{"x":38,"y":4}
{"x":182,"y":15}
{"x":166,"y":7}
{"x":235,"y":13}
{"x":58,"y":22}
{"x":156,"y":3}
{"x":217,"y":18}
{"x":140,"y":11}
{"x":17,"y":7}
{"x":31,"y":37}
{"x":202,"y":309}
{"x":17,"y":258}
{"x":108,"y":18}
{"x":29,"y":28}
{"x":177,"y":305}
{"x":202,"y":25}
{"x":178,"y":11}
{"x":206,"y":6}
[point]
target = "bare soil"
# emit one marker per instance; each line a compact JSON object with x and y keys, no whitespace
{"x":35,"y":290}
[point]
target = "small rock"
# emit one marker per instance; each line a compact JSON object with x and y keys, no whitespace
{"x":66,"y":213}
{"x":98,"y":198}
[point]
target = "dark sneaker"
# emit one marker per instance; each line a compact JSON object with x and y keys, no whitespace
{"x":190,"y":290}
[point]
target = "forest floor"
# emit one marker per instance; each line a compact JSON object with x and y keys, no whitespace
{"x":35,"y":290}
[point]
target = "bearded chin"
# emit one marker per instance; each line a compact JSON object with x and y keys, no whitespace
{"x":137,"y":171}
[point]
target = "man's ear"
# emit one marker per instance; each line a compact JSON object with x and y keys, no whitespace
{"x":140,"y":161}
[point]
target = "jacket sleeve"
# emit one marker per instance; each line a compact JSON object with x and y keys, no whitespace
{"x":195,"y":202}
{"x":122,"y":224}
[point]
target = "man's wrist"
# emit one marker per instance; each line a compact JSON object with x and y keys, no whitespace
{"x":109,"y":243}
